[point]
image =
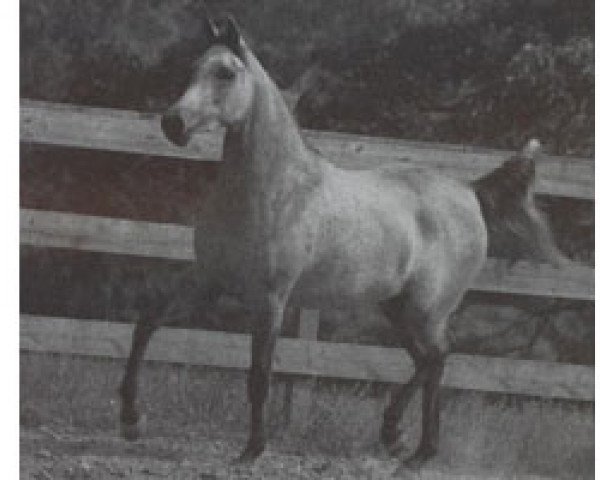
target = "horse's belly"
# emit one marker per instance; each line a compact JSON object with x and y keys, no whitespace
{"x":357,"y":272}
{"x":318,"y":290}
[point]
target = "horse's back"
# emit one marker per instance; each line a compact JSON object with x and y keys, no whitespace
{"x":444,"y":207}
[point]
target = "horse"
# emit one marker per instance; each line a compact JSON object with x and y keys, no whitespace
{"x":285,"y":226}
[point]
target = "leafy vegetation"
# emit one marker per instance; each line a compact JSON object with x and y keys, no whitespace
{"x":484,"y":72}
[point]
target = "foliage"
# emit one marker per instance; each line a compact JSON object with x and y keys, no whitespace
{"x":487,"y":72}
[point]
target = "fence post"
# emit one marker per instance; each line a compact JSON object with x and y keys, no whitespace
{"x":300,"y":391}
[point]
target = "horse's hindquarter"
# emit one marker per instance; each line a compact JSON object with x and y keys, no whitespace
{"x":379,"y":229}
{"x":452,"y":237}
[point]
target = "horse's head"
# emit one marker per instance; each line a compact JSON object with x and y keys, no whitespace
{"x":221,"y":89}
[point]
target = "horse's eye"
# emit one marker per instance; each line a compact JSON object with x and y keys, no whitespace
{"x":224,"y":73}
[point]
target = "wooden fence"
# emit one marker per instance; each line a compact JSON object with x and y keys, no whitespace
{"x":123,"y":131}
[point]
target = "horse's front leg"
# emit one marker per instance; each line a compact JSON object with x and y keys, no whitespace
{"x":158,"y":308}
{"x":267,"y":326}
{"x":128,"y":390}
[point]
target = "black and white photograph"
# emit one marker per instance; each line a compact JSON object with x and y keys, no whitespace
{"x":306,"y":239}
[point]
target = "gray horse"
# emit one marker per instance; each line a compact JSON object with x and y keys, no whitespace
{"x":284,"y":226}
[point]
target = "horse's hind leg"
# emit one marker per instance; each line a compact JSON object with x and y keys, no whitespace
{"x":424,"y":339}
{"x":128,"y":389}
{"x":428,"y":446}
{"x":428,"y":368}
{"x":400,"y":397}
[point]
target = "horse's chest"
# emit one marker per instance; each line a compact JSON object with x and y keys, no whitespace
{"x":227,"y":245}
{"x":240,"y":247}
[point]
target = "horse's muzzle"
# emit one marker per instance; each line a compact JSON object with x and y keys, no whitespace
{"x":174,"y":129}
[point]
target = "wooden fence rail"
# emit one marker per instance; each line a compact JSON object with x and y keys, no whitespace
{"x":175,"y":242}
{"x":133,"y":132}
{"x":307,"y":357}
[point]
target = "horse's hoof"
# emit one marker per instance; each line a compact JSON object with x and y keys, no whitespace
{"x":419,"y":458}
{"x":393,"y":440}
{"x":132,"y":431}
{"x":249,"y":455}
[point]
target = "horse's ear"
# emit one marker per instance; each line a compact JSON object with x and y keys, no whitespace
{"x":229,"y":32}
{"x":211,"y":29}
{"x":209,"y":26}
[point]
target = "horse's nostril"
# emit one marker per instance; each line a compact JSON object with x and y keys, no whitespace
{"x":173,"y":128}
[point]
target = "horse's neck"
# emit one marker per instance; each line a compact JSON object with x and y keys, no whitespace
{"x":274,"y":150}
{"x":266,"y":163}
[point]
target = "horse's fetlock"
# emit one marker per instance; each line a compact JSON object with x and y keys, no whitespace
{"x":389,"y":434}
{"x":255,"y":447}
{"x":129,"y":415}
{"x":127,"y":392}
{"x":390,"y":417}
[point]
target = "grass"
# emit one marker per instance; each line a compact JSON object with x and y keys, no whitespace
{"x":478,"y":431}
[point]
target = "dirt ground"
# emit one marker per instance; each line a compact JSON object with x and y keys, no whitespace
{"x":46,"y":454}
{"x":49,"y":455}
{"x":196,"y":424}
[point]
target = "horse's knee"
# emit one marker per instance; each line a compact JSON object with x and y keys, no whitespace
{"x":433,"y":360}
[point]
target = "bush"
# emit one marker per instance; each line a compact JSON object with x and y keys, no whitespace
{"x":462,"y":71}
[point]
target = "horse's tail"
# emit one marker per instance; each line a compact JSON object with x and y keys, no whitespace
{"x":516,"y":227}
